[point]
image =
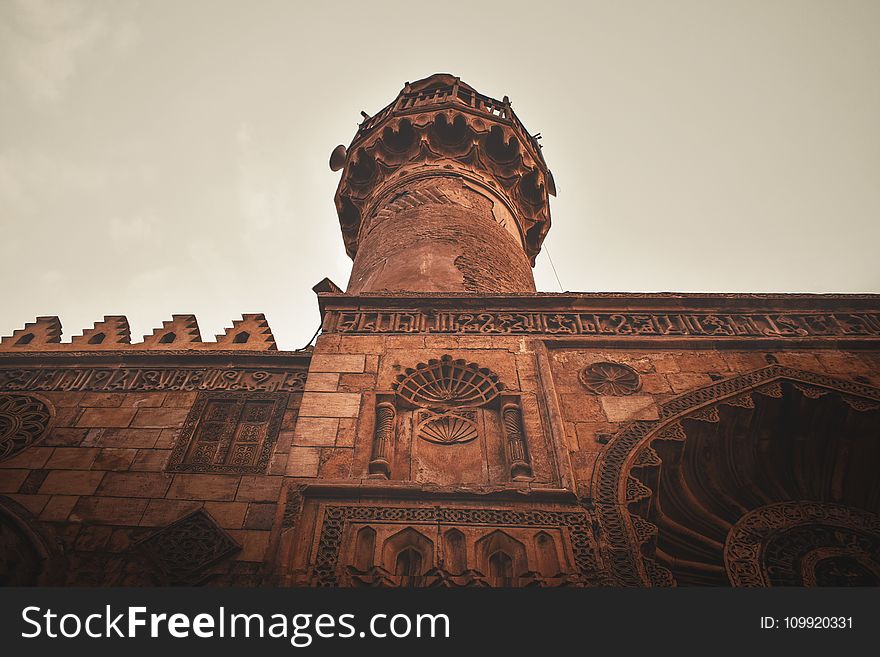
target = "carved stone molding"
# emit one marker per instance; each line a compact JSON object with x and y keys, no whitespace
{"x":24,"y":420}
{"x":787,"y":325}
{"x":577,"y":523}
{"x":614,"y":490}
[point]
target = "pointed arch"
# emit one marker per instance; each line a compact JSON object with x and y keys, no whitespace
{"x":502,"y":558}
{"x":365,"y":548}
{"x":454,"y":552}
{"x":774,"y":435}
{"x":408,"y":554}
{"x":548,"y":558}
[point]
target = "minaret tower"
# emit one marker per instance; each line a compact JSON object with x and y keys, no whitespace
{"x":444,"y":190}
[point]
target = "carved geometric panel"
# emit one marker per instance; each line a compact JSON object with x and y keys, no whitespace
{"x":336,"y":518}
{"x":229,"y":432}
{"x":23,"y":421}
{"x":610,"y":379}
{"x":186,"y":547}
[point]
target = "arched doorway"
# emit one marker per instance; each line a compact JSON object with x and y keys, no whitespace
{"x":768,"y":479}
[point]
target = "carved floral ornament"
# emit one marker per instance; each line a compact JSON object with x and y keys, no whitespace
{"x":610,"y":379}
{"x":24,"y":420}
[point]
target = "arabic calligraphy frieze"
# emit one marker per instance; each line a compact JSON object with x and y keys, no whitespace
{"x":97,"y":379}
{"x":753,"y":325}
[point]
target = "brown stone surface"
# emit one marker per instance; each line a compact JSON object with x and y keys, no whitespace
{"x":134,"y":484}
{"x":316,"y":431}
{"x":203,"y":487}
{"x":303,"y":461}
{"x":160,"y":513}
{"x":71,"y":482}
{"x":108,"y":510}
{"x":159,"y":418}
{"x":229,"y":515}
{"x":58,"y":508}
{"x":259,"y":489}
{"x":72,"y":458}
{"x":330,"y":404}
{"x":591,"y":438}
{"x":335,"y":363}
{"x":106,"y":417}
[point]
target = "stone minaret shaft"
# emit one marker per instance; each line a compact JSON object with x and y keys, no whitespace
{"x":444,"y":190}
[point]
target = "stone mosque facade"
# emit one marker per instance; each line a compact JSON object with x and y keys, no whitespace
{"x":451,"y":426}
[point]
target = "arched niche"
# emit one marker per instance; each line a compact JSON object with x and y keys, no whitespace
{"x":678,"y":498}
{"x":548,"y":557}
{"x":365,"y":548}
{"x":454,"y":552}
{"x":408,"y":555}
{"x":501,"y":558}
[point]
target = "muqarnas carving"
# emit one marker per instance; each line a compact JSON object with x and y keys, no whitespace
{"x":804,"y":444}
{"x":24,"y":420}
{"x":444,"y":397}
{"x":186,"y":548}
{"x":229,"y":432}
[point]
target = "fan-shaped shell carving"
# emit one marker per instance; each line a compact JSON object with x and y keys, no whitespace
{"x":447,"y":382}
{"x":447,"y":428}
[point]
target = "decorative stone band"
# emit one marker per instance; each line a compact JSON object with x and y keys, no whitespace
{"x":576,"y":524}
{"x":142,"y":379}
{"x":612,"y":324}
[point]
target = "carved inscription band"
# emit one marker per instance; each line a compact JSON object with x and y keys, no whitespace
{"x":147,"y":379}
{"x":752,"y":325}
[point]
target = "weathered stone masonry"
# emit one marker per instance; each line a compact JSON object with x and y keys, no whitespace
{"x":451,"y":426}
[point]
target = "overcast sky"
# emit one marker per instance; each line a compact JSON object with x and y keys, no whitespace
{"x":171,"y":157}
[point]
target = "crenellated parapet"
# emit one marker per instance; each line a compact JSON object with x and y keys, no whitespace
{"x":250,"y":333}
{"x":42,"y":332}
{"x":113,"y":330}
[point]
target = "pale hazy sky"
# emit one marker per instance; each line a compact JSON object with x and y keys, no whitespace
{"x":171,"y":157}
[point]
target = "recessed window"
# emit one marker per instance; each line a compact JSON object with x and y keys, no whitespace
{"x":229,"y":432}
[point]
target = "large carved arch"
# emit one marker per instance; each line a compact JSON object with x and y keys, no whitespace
{"x":673,"y":496}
